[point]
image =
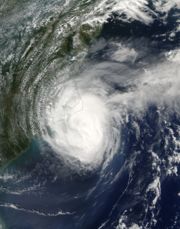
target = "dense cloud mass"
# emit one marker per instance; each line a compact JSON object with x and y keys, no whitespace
{"x":89,"y":115}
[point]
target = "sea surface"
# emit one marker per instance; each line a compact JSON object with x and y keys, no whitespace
{"x":90,"y":114}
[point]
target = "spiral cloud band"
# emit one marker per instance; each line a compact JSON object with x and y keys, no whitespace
{"x":79,"y":121}
{"x":90,"y":114}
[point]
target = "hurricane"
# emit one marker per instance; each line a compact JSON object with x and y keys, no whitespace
{"x":90,"y":114}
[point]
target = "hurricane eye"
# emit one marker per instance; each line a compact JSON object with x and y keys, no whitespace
{"x":81,"y":125}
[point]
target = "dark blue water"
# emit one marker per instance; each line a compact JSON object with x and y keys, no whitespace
{"x":42,"y":185}
{"x":102,"y":197}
